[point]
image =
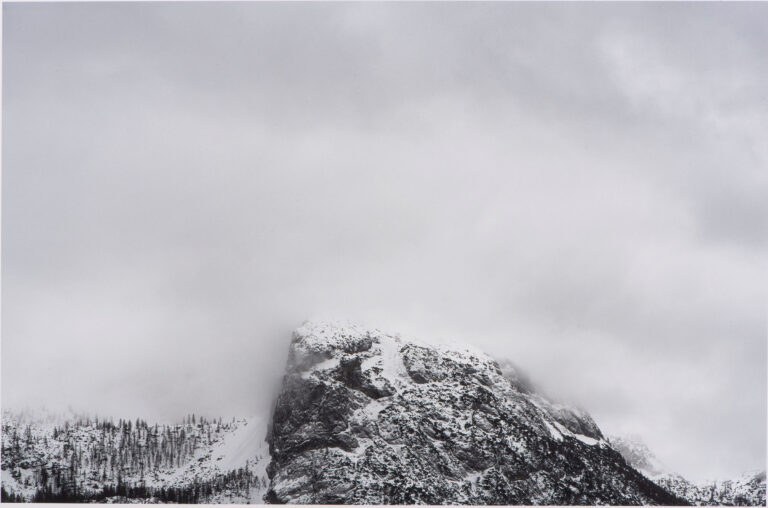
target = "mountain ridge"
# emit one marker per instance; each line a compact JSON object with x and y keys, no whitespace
{"x":363,"y":417}
{"x":746,"y":489}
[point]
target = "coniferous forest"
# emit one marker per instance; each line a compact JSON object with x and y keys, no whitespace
{"x":88,"y":459}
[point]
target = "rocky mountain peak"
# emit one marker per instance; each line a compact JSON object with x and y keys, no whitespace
{"x":369,"y":417}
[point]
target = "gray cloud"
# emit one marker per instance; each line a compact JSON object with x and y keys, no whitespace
{"x":579,"y":187}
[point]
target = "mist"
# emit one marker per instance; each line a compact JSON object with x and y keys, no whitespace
{"x":580,"y":188}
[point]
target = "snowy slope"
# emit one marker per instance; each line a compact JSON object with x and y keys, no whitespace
{"x":79,"y":456}
{"x":747,"y":489}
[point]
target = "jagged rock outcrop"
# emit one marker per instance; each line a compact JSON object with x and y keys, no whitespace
{"x":365,"y":417}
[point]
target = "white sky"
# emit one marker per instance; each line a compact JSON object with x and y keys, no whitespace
{"x":581,"y":188}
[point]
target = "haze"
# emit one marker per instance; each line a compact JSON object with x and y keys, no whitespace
{"x":580,"y":188}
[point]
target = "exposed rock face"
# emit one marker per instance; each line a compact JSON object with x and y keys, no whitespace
{"x":365,"y":417}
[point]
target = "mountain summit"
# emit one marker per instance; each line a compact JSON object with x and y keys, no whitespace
{"x":367,"y":417}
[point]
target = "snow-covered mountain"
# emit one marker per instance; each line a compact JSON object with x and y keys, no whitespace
{"x":363,"y":417}
{"x":747,"y":489}
{"x":637,"y":453}
{"x":56,"y":458}
{"x":367,"y":417}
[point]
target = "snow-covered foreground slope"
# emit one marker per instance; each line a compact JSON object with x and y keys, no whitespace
{"x":69,"y":459}
{"x":366,"y":417}
{"x":747,"y":489}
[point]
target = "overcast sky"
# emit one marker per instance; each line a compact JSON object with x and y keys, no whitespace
{"x":581,"y":188}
